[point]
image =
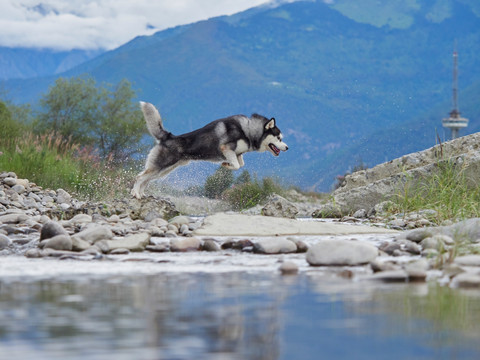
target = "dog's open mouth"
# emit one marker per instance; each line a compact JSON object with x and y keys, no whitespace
{"x":275,"y":150}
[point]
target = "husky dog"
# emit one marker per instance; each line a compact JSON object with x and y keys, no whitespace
{"x":224,"y":140}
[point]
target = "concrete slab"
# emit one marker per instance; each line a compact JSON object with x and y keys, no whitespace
{"x":224,"y":224}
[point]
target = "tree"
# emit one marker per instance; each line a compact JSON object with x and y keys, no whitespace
{"x":120,"y":122}
{"x":10,"y":128}
{"x":70,"y":109}
{"x":105,"y":117}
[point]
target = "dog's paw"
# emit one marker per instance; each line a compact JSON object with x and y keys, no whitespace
{"x":227,"y":165}
{"x":135,"y":194}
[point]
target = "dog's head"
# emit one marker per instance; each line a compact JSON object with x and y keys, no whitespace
{"x":272,"y":138}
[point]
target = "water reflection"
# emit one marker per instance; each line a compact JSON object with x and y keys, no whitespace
{"x":234,"y":316}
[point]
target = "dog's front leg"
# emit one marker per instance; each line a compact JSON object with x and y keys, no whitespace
{"x":232,"y":161}
{"x":240,"y":160}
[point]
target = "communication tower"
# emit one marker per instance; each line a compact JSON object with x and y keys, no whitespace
{"x":455,"y":122}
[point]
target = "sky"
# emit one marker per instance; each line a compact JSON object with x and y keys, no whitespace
{"x":101,"y":24}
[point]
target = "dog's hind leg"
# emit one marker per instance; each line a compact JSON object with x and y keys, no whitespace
{"x":148,"y":175}
{"x":142,"y":181}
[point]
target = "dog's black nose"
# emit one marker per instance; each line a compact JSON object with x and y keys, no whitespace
{"x":286,"y":148}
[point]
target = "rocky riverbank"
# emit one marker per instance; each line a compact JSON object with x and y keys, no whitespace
{"x":362,"y":191}
{"x":42,"y":223}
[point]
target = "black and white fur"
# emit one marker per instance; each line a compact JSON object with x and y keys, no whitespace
{"x":224,"y":140}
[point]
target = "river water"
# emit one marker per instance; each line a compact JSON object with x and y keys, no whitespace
{"x":71,"y":309}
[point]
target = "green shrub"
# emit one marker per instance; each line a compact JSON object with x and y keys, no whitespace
{"x":251,"y":193}
{"x":217,"y":183}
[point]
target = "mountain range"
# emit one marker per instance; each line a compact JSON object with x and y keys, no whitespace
{"x":347,"y":83}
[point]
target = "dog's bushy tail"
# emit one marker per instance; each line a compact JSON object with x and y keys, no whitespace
{"x":153,"y":120}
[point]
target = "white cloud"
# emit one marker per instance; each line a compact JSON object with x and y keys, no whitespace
{"x":93,"y":24}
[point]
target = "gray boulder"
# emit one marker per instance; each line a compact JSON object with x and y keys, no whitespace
{"x":59,"y":242}
{"x":279,"y":207}
{"x":328,"y":211}
{"x":94,"y":233}
{"x":147,"y":209}
{"x":341,"y":252}
{"x":136,"y":242}
{"x":51,"y":229}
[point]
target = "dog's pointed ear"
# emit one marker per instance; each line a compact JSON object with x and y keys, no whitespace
{"x":270,"y":124}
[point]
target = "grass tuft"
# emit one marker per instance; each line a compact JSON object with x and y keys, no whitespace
{"x":54,"y":162}
{"x":448,"y":191}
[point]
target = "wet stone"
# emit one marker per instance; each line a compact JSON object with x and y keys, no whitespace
{"x":4,"y":241}
{"x":119,"y":251}
{"x":180,"y":220}
{"x":158,"y":248}
{"x":172,"y":227}
{"x":52,"y":229}
{"x":59,"y":242}
{"x":185,"y":244}
{"x":288,"y":268}
{"x":81,"y":219}
{"x":94,"y":234}
{"x":12,"y":218}
{"x":468,"y":260}
{"x":417,"y":270}
{"x":274,"y":246}
{"x":466,"y":280}
{"x":418,"y":235}
{"x":341,"y":252}
{"x":33,"y":253}
{"x":378,"y":266}
{"x":237,"y":245}
{"x":432,"y":243}
{"x":390,"y":247}
{"x":135,"y":242}
{"x":411,"y":247}
{"x":79,"y":244}
{"x":391,"y":276}
{"x":210,"y":245}
{"x":302,"y":247}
